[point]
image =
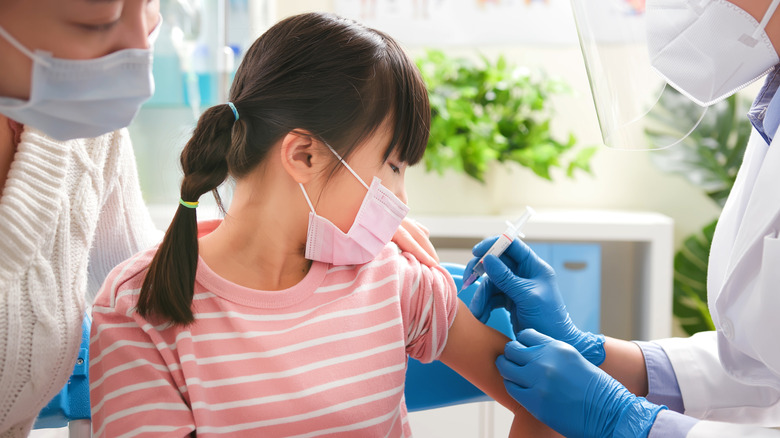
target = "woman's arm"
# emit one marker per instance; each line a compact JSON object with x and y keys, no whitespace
{"x":471,"y":350}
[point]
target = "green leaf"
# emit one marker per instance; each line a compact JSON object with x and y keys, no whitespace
{"x":712,"y":154}
{"x":484,"y":111}
{"x":690,"y":282}
{"x":582,"y":160}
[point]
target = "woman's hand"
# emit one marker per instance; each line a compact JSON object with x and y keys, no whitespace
{"x":412,"y":237}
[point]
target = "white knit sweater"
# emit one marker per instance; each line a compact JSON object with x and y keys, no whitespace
{"x":69,"y":212}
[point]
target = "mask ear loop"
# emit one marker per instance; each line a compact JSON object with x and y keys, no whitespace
{"x":152,"y":38}
{"x":752,"y":40}
{"x":305,"y":195}
{"x":7,"y":36}
{"x":308,"y":201}
{"x":347,"y":165}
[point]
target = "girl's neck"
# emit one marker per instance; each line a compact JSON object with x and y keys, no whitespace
{"x":260,"y":244}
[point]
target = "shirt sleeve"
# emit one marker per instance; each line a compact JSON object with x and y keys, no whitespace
{"x":661,"y":379}
{"x":133,"y":388}
{"x":429,"y":302}
{"x":664,"y":390}
{"x":670,"y":424}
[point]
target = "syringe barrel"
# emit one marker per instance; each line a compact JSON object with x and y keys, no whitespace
{"x":479,"y":269}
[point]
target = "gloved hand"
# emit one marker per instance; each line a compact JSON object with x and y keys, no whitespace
{"x":525,"y":285}
{"x":568,"y":393}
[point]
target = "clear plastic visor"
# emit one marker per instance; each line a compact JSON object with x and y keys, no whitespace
{"x":636,"y":108}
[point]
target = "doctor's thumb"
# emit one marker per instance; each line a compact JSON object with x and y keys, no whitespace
{"x":482,"y":247}
{"x":499,"y":273}
{"x":530,"y":337}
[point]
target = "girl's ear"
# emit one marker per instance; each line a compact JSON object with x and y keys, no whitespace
{"x":301,"y":155}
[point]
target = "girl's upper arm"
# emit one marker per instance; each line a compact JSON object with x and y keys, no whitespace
{"x":471,"y":350}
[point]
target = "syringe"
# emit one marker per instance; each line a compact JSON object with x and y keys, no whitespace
{"x":498,"y":248}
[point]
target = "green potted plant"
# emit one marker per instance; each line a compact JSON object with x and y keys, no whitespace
{"x":485,"y":112}
{"x":709,"y":158}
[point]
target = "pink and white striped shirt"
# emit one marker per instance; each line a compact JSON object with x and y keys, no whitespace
{"x":326,"y":357}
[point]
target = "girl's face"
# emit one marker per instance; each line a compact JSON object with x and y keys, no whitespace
{"x":70,"y":29}
{"x":343,"y":194}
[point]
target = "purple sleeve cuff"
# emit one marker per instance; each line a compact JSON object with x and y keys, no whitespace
{"x":670,"y":424}
{"x":661,"y":380}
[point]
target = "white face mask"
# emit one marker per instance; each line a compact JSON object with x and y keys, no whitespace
{"x":83,"y":98}
{"x":708,"y":49}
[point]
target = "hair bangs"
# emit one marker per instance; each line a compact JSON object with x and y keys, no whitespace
{"x":412,"y":110}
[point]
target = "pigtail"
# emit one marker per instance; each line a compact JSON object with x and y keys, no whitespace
{"x":169,"y":285}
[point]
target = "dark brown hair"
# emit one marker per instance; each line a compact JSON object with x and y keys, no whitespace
{"x":319,"y":73}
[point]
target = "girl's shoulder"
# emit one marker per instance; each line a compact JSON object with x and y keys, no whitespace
{"x":121,"y":286}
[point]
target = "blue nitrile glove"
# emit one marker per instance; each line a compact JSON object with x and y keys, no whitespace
{"x":525,"y":285}
{"x":568,"y":393}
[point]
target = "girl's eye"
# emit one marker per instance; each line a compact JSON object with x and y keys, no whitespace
{"x":394,"y":168}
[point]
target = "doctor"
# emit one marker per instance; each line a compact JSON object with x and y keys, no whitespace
{"x":724,"y":383}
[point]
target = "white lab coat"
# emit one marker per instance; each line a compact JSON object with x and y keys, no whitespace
{"x":733,"y":375}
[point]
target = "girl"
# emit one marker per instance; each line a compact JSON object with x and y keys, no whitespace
{"x":293,"y":316}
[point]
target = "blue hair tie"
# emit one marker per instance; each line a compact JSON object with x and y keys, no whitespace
{"x":235,"y":111}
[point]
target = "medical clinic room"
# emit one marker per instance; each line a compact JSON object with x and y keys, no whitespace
{"x":389,"y":218}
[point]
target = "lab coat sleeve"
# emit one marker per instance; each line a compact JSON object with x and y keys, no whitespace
{"x":709,"y":393}
{"x":670,"y":424}
{"x":715,"y":429}
{"x":124,"y":226}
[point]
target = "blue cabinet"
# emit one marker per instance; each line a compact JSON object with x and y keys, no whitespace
{"x":578,"y":270}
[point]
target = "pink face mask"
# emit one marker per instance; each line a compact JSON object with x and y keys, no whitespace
{"x":379,"y":217}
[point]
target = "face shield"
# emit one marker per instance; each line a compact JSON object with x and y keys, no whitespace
{"x":645,"y":67}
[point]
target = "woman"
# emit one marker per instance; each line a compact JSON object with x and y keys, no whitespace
{"x":71,"y":207}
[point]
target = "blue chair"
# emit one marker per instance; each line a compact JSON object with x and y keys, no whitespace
{"x":436,"y":385}
{"x":71,"y":406}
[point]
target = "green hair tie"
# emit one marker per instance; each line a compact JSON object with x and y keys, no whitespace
{"x":188,"y":204}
